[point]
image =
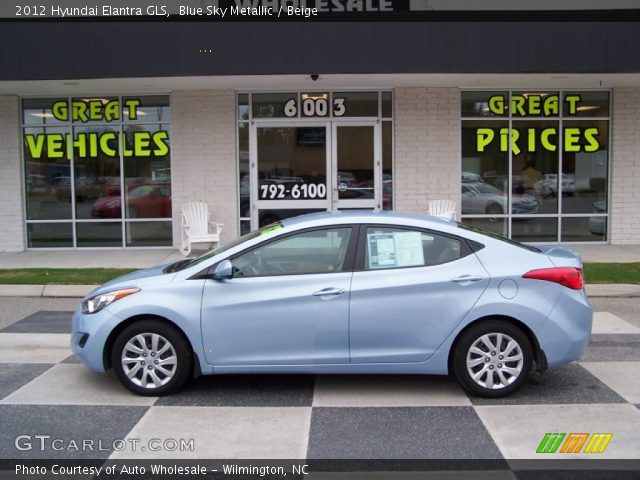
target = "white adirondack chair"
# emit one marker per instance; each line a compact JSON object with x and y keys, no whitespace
{"x":197,"y":226}
{"x":443,"y":208}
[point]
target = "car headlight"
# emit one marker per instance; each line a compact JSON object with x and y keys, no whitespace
{"x":98,"y":302}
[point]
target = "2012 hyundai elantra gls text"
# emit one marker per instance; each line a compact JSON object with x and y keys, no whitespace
{"x":350,"y":292}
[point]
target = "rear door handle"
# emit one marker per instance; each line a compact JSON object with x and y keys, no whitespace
{"x":467,"y":279}
{"x":326,"y":292}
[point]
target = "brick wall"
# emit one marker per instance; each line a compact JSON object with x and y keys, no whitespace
{"x":427,"y":147}
{"x":625,"y":166}
{"x":11,"y":200}
{"x":203,"y":158}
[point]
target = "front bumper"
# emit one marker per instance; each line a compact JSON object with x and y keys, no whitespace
{"x":564,"y":336}
{"x":89,"y":334}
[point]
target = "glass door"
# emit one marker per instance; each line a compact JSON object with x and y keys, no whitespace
{"x":356,"y":171}
{"x":289,"y":170}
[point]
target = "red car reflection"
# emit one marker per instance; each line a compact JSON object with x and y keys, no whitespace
{"x":145,"y":201}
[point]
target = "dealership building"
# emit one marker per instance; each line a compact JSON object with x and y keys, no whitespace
{"x":530,"y":125}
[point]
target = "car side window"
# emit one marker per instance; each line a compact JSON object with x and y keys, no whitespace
{"x":316,"y":251}
{"x":399,"y":248}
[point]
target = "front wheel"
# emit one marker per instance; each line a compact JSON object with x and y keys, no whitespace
{"x":492,"y":359}
{"x":151,"y":358}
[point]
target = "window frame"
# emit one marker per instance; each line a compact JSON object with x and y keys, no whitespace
{"x":119,"y":124}
{"x":360,"y":257}
{"x":348,"y":259}
{"x":562,"y":117}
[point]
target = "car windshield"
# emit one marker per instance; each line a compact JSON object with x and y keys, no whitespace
{"x":497,"y":237}
{"x":227,"y":246}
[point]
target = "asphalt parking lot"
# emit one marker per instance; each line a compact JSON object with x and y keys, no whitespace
{"x":44,"y":390}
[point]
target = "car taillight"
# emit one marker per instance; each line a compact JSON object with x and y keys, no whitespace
{"x":567,"y":276}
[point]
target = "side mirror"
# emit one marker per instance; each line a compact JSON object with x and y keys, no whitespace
{"x":223,"y":271}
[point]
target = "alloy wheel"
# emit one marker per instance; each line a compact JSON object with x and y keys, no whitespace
{"x":149,"y":360}
{"x":495,"y":360}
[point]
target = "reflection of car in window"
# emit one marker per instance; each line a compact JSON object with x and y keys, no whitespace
{"x":548,"y":185}
{"x":145,"y":201}
{"x":482,"y":198}
{"x":598,"y":225}
{"x":469,"y":177}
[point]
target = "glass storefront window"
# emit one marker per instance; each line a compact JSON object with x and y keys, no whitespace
{"x":146,"y":109}
{"x":485,"y":168}
{"x":47,"y":173}
{"x":39,"y":111}
{"x":271,"y":105}
{"x":147,"y":172}
{"x":535,"y":163}
{"x":244,"y":172}
{"x":49,"y":235}
{"x":357,"y":104}
{"x":243,"y":106}
{"x":556,"y":160}
{"x":584,"y":229}
{"x":148,"y":234}
{"x":99,"y":234}
{"x":77,"y":169}
{"x":535,"y":229}
{"x":387,"y":165}
{"x":97,"y":173}
{"x":292,"y":163}
{"x":585,"y":167}
{"x":587,"y":104}
{"x":387,"y":105}
{"x":484,"y":104}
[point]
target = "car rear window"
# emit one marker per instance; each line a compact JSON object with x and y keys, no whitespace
{"x":496,"y":236}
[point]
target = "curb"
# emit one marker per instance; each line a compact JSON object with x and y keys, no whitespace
{"x":607,"y":290}
{"x":617,"y":290}
{"x":48,"y":291}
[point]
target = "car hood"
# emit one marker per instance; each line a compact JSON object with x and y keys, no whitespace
{"x":105,"y":200}
{"x":134,"y":279}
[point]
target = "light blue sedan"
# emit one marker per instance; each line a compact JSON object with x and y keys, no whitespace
{"x":350,"y":292}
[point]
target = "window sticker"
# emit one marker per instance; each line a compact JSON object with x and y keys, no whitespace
{"x":382,"y":250}
{"x":270,"y":229}
{"x":409,"y":248}
{"x":397,"y":249}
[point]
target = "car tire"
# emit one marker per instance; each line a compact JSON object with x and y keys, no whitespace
{"x":477,"y":362}
{"x":164,"y":346}
{"x":494,"y":209}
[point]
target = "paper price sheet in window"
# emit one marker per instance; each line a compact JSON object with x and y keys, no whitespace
{"x":397,"y":249}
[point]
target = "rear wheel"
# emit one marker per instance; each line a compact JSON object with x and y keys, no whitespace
{"x":492,"y":358}
{"x":151,"y":358}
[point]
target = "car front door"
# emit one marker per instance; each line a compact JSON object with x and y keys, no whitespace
{"x":287,"y":303}
{"x":409,"y":290}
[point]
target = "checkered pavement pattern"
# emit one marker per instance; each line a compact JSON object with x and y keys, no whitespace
{"x":45,"y":390}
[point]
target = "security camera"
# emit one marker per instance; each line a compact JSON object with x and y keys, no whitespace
{"x":314,"y":77}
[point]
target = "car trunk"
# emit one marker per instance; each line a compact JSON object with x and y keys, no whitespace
{"x":561,"y":256}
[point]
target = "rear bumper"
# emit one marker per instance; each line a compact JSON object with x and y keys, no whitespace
{"x":564,"y":336}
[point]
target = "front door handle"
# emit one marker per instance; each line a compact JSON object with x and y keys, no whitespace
{"x":326,"y":292}
{"x":467,"y":279}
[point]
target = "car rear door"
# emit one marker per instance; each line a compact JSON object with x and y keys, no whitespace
{"x":287,"y":304}
{"x":410,"y":289}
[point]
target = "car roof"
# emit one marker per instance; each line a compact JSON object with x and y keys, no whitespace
{"x":367,"y":216}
